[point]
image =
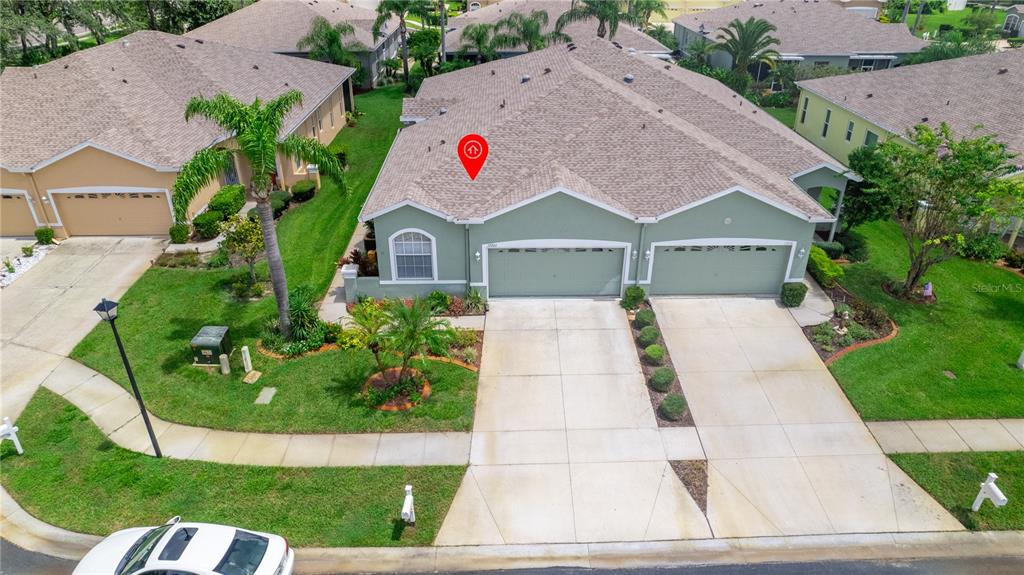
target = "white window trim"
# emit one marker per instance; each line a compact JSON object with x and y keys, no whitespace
{"x":395,"y":280}
{"x":868,"y":135}
{"x":723,"y":242}
{"x":28,"y":200}
{"x":626,"y":247}
{"x":105,"y":190}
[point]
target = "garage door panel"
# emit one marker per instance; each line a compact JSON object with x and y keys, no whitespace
{"x":718,"y":269}
{"x":114,"y":214}
{"x":16,"y":215}
{"x":555,"y":272}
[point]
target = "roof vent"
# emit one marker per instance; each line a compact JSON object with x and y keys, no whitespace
{"x":924,"y":119}
{"x":947,"y":102}
{"x":758,"y":4}
{"x":617,"y":45}
{"x":869,"y":95}
{"x":442,"y":111}
{"x":571,"y":48}
{"x":628,"y":78}
{"x":547,"y":70}
{"x":124,"y":80}
{"x":125,"y":43}
{"x":198,"y":41}
{"x":286,"y":84}
{"x":255,"y":67}
{"x":660,"y":110}
{"x":492,"y":72}
{"x":524,"y":79}
{"x":1003,"y":71}
{"x":182,"y":46}
{"x":668,"y":66}
{"x":65,"y":66}
{"x":631,"y":51}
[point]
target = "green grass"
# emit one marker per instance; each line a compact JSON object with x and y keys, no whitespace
{"x":953,"y":479}
{"x":785,"y":115}
{"x":930,"y":22}
{"x":318,"y":393}
{"x":974,"y":331}
{"x":73,"y":477}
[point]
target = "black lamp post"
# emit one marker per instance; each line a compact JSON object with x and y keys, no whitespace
{"x":107,"y":311}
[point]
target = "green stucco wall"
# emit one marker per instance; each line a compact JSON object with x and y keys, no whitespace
{"x":834,"y":143}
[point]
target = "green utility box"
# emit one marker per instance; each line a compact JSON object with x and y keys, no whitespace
{"x":209,"y":343}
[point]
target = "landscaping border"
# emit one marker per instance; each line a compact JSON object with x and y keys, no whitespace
{"x":647,"y":370}
{"x":862,"y":344}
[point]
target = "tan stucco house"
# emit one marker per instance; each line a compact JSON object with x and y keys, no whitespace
{"x":92,"y":143}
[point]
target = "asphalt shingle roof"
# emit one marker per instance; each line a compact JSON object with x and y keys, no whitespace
{"x":626,"y":35}
{"x":812,"y":27}
{"x":276,"y":25}
{"x":129,"y":96}
{"x":669,"y":138}
{"x":967,"y":93}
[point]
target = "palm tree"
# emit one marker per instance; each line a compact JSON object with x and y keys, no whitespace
{"x":701,"y":49}
{"x":478,"y":37}
{"x":326,"y":43}
{"x":517,"y":29}
{"x":748,"y":42}
{"x":255,"y":129}
{"x":642,"y":11}
{"x":608,"y":14}
{"x":369,"y":321}
{"x":388,"y":9}
{"x":413,"y":329}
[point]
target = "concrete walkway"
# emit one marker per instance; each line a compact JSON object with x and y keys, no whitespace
{"x":787,"y":453}
{"x":817,"y":307}
{"x":946,"y":435}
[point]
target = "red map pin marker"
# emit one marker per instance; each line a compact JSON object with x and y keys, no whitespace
{"x":473,"y":153}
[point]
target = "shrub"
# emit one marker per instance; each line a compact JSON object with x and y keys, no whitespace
{"x":672,"y":407}
{"x":633,"y":297}
{"x":44,"y":236}
{"x":220,"y":258}
{"x":303,"y":190}
{"x":793,"y":293}
{"x":475,"y":301}
{"x":8,"y":265}
{"x":648,"y":335}
{"x":27,"y":251}
{"x":457,"y":307}
{"x":644,"y":318}
{"x":332,"y":332}
{"x":207,"y":224}
{"x":834,"y":250}
{"x":872,"y":316}
{"x":823,"y":333}
{"x":302,"y":311}
{"x":654,"y":354}
{"x":277,"y":207}
{"x":984,"y":247}
{"x":179,"y":233}
{"x":279,"y":201}
{"x":228,"y":200}
{"x":439,"y":301}
{"x":856,"y":249}
{"x":464,"y":338}
{"x":662,"y":378}
{"x":826,"y":271}
{"x":351,"y":339}
{"x":468,"y":355}
{"x":189,"y":259}
{"x":242,"y":287}
{"x":350,"y":119}
{"x":1014,"y":259}
{"x":858,"y":332}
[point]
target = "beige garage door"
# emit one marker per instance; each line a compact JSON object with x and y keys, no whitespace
{"x":16,"y":215}
{"x":114,"y":214}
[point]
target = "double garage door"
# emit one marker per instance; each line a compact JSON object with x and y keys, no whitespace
{"x":676,"y":270}
{"x":114,"y":214}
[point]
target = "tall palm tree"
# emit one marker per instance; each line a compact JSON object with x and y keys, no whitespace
{"x":388,"y":9}
{"x":701,"y":49}
{"x":748,"y":42}
{"x":255,"y":129}
{"x":327,"y":43}
{"x":608,"y":14}
{"x":478,"y":38}
{"x":643,"y":10}
{"x":518,"y":29}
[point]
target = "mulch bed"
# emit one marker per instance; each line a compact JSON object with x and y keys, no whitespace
{"x":1002,"y":264}
{"x":389,"y":377}
{"x":839,"y":295}
{"x":656,"y":396}
{"x":694,"y":475}
{"x":917,"y":297}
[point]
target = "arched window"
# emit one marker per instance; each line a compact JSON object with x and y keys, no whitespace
{"x":413,"y":255}
{"x":1011,"y":23}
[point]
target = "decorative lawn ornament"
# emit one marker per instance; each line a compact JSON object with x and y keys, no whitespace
{"x":8,"y":431}
{"x":989,"y":490}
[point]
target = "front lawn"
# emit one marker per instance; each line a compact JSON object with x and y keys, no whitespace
{"x":953,"y":480}
{"x":72,"y":476}
{"x":785,"y":115}
{"x":165,"y":308}
{"x":974,"y":331}
{"x":930,"y":22}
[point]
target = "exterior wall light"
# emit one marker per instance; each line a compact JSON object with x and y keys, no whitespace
{"x":647,"y":254}
{"x":477,"y":256}
{"x":803,"y":252}
{"x":635,"y":254}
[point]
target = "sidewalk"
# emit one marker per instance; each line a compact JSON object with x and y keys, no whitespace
{"x":946,"y":435}
{"x":116,"y":413}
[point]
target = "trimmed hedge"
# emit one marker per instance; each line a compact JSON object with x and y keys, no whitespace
{"x":207,"y":224}
{"x":303,"y":190}
{"x":229,"y":200}
{"x":834,"y":250}
{"x":1014,"y":259}
{"x":662,"y":378}
{"x":822,"y":268}
{"x":44,"y":236}
{"x":633,"y":297}
{"x":648,"y":335}
{"x":654,"y":354}
{"x":793,"y":293}
{"x":179,"y":233}
{"x":644,"y":318}
{"x":672,"y":407}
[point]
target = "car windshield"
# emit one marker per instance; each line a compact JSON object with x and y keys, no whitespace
{"x":137,"y":556}
{"x":244,"y":554}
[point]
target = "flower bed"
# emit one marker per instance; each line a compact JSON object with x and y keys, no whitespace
{"x":647,"y":341}
{"x":13,"y":269}
{"x":854,"y":324}
{"x":385,"y":392}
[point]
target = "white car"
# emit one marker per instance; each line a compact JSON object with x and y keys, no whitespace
{"x":177,"y":548}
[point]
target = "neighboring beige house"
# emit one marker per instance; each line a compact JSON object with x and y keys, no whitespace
{"x":974,"y":95}
{"x":1014,"y":23}
{"x":626,"y":36}
{"x":92,"y":142}
{"x":815,"y":33}
{"x":277,"y":25}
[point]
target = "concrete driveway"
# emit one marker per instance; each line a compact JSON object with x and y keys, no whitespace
{"x":787,"y":453}
{"x":565,"y":444}
{"x":47,"y":311}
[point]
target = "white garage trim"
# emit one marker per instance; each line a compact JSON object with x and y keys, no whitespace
{"x":28,"y":200}
{"x":626,"y":247}
{"x":723,"y":242}
{"x":106,"y":190}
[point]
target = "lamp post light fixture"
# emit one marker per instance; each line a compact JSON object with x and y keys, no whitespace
{"x":107,"y":310}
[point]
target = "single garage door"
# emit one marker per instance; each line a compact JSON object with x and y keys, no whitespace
{"x":16,"y":215}
{"x":114,"y":214}
{"x":555,"y":272}
{"x":712,"y":269}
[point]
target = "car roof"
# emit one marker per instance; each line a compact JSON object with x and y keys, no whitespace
{"x":209,"y":545}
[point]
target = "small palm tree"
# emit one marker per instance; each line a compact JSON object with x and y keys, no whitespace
{"x":388,"y":9}
{"x":748,"y":42}
{"x":518,"y":29}
{"x":369,"y":321}
{"x":255,"y":129}
{"x":643,"y":10}
{"x":478,"y":38}
{"x":412,"y":329}
{"x":326,"y":43}
{"x":701,"y":49}
{"x":608,"y":14}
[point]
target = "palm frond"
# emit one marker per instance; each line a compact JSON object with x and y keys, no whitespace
{"x":196,"y":174}
{"x":226,"y":111}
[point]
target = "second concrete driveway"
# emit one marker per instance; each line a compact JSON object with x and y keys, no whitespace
{"x":565,"y":444}
{"x":47,"y":311}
